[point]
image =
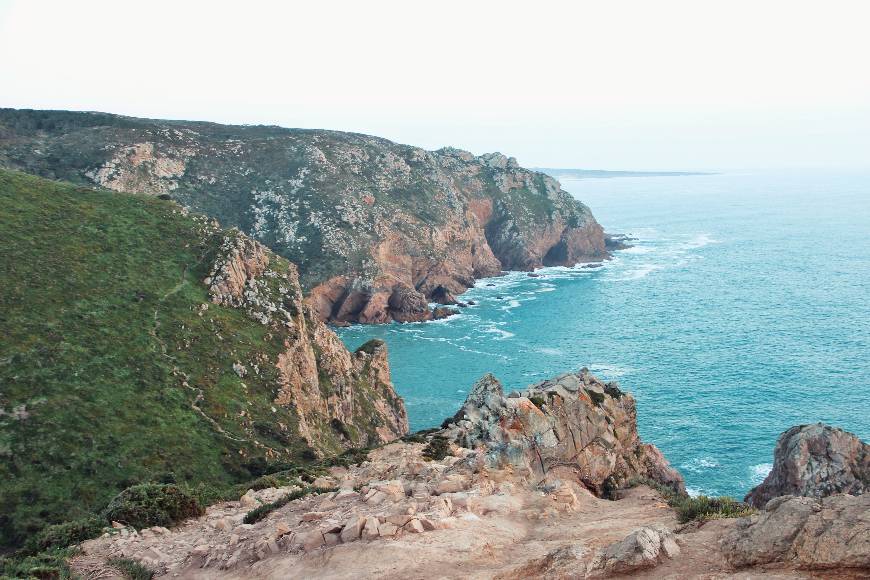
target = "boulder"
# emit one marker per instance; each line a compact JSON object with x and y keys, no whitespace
{"x":815,"y":461}
{"x":810,"y":533}
{"x":643,"y":548}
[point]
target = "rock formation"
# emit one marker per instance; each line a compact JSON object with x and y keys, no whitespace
{"x":573,"y":425}
{"x":377,"y":229}
{"x":816,"y":461}
{"x":349,"y":396}
{"x":506,"y":489}
{"x":828,"y":533}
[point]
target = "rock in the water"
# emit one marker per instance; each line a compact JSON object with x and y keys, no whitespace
{"x":815,"y":461}
{"x":572,"y":420}
{"x":832,"y":532}
{"x":643,"y":548}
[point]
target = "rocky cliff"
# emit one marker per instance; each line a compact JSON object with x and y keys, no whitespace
{"x":142,"y":343}
{"x":377,"y":229}
{"x":508,"y":488}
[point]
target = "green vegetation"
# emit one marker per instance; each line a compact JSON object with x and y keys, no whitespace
{"x":438,"y":448}
{"x":699,"y":508}
{"x":50,"y":564}
{"x":131,"y":569}
{"x":112,"y":373}
{"x":152,"y":504}
{"x":711,"y":508}
{"x":66,"y":534}
{"x":258,"y":513}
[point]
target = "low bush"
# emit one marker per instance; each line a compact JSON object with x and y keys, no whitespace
{"x":438,"y":448}
{"x":705,"y":508}
{"x":66,"y":534}
{"x":152,"y":504}
{"x":699,"y":508}
{"x":131,"y":569}
{"x":49,"y":564}
{"x":258,"y":513}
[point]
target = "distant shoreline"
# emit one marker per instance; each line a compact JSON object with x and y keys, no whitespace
{"x":599,"y":173}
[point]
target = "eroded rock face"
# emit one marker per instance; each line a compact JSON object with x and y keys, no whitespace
{"x":341,"y":399}
{"x":377,"y":229}
{"x":816,"y":461}
{"x":572,"y":422}
{"x":828,"y":533}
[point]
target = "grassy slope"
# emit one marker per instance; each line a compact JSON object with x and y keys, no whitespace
{"x":93,"y":286}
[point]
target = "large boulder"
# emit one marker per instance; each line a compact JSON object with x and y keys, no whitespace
{"x":815,"y":461}
{"x":642,"y":549}
{"x":811,"y":533}
{"x":572,"y":425}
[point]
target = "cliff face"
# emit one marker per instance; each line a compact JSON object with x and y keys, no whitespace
{"x":377,"y":229}
{"x":340,"y":399}
{"x":144,"y":343}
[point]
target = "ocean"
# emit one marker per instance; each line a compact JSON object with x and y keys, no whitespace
{"x":742,"y":309}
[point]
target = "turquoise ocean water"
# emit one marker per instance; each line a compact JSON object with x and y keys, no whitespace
{"x":743,"y":309}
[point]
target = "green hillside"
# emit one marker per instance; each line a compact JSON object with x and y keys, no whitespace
{"x":111,"y":371}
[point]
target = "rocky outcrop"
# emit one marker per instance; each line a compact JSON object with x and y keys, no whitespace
{"x":570,"y":426}
{"x":377,"y":229}
{"x":828,"y":533}
{"x":816,"y":461}
{"x":340,"y":399}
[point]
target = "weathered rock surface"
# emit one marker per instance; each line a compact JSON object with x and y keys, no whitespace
{"x":828,"y":533}
{"x":572,"y":423}
{"x":340,"y":399}
{"x":377,"y":229}
{"x":642,"y":549}
{"x":466,"y":501}
{"x":815,"y":461}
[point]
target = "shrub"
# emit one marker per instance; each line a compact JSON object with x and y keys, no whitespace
{"x":699,"y":508}
{"x":705,"y":508}
{"x":131,"y":569}
{"x":50,"y":564}
{"x":258,"y":513}
{"x":438,"y":448}
{"x":67,"y":534}
{"x":152,"y":504}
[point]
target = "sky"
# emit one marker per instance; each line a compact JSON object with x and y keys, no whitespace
{"x":664,"y":85}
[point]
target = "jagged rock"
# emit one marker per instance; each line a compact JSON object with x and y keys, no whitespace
{"x":816,"y":461}
{"x":242,"y":277}
{"x":643,"y":548}
{"x":832,"y":532}
{"x":572,"y":421}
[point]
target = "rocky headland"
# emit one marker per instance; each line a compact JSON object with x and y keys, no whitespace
{"x":548,"y":482}
{"x":378,"y":230}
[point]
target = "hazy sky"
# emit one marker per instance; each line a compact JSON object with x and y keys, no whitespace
{"x":608,"y":85}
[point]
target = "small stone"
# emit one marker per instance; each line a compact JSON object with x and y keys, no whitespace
{"x":332,"y":539}
{"x":249,"y":500}
{"x":312,"y":516}
{"x":387,"y":530}
{"x":414,"y":526}
{"x":282,"y":528}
